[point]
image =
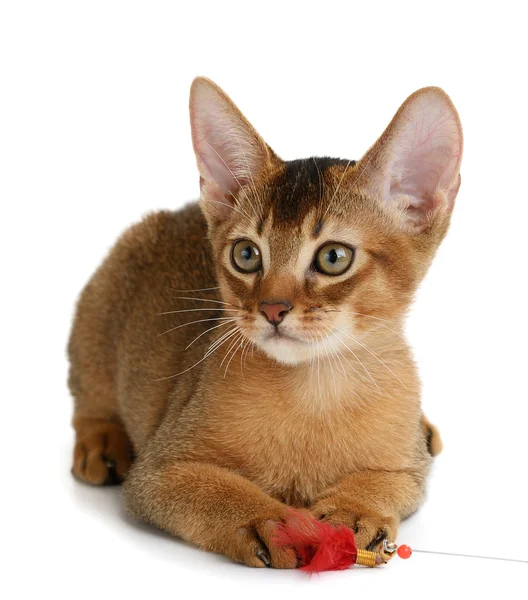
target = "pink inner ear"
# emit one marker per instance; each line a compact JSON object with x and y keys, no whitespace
{"x":215,"y":162}
{"x":228,"y":150}
{"x":426,"y":155}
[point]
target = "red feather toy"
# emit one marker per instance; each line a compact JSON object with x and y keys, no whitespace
{"x":322,"y":547}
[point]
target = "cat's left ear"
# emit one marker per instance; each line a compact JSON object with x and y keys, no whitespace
{"x":229,"y":152}
{"x":415,"y":164}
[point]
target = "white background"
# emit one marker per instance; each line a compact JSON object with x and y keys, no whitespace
{"x":94,"y":133}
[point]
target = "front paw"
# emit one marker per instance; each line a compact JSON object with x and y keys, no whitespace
{"x":256,"y":544}
{"x":370,"y":527}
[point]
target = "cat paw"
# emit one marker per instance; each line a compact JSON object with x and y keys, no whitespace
{"x":256,"y":546}
{"x":369,"y":526}
{"x":102,"y":456}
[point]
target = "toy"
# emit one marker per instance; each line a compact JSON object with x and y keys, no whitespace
{"x":323,"y":547}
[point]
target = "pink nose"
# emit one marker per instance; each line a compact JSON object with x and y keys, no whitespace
{"x":275,"y":311}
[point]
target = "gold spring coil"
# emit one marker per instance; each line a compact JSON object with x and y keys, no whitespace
{"x":366,"y":558}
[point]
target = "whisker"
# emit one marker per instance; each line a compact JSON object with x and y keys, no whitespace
{"x":199,"y":321}
{"x":341,"y":357}
{"x":376,"y":319}
{"x":197,"y":290}
{"x":331,"y":369}
{"x":219,"y":342}
{"x":338,"y":357}
{"x":359,"y":361}
{"x":233,"y":355}
{"x":245,"y":353}
{"x":357,"y":313}
{"x":172,"y":312}
{"x":205,"y":300}
{"x":233,"y":342}
{"x":182,"y":372}
{"x":334,"y":345}
{"x":244,"y":348}
{"x":193,"y":366}
{"x":312,"y":359}
{"x":207,"y":331}
{"x":373,"y":354}
{"x":318,"y":369}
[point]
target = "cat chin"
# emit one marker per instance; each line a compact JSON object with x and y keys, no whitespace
{"x":287,"y":352}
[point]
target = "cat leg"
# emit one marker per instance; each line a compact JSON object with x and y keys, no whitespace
{"x":102,"y":454}
{"x":210,"y":507}
{"x":372,"y":503}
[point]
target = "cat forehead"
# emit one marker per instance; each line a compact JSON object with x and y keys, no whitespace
{"x":302,"y":187}
{"x":304,"y":203}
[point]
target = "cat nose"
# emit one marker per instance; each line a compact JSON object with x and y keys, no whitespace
{"x":275,"y":311}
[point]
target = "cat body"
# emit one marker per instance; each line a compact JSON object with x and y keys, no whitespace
{"x":249,"y":351}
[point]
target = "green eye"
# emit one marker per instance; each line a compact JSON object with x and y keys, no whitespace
{"x":246,"y":257}
{"x":333,"y":259}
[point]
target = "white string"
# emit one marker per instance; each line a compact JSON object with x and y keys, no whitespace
{"x":518,"y":560}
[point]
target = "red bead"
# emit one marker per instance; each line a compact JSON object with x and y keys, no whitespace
{"x":404,"y":551}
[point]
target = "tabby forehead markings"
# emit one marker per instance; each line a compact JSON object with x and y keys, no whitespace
{"x":302,"y":263}
{"x":317,"y":228}
{"x":297,"y":188}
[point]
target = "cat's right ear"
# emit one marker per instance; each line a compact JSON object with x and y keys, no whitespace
{"x":414,"y":167}
{"x":229,"y":152}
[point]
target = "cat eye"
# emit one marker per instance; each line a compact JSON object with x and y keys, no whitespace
{"x":333,"y":259}
{"x":246,"y":257}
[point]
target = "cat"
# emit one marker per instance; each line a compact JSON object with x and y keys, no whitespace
{"x":245,"y":354}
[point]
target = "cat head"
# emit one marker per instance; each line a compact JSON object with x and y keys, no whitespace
{"x":318,"y":252}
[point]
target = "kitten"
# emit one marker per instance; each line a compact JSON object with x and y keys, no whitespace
{"x":248,"y":350}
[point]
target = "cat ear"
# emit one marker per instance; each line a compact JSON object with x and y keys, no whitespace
{"x":415,"y":164}
{"x":229,"y":152}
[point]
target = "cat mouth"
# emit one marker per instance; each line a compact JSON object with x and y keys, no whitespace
{"x":277,"y":334}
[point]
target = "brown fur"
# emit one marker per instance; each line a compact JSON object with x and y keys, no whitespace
{"x":220,"y":458}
